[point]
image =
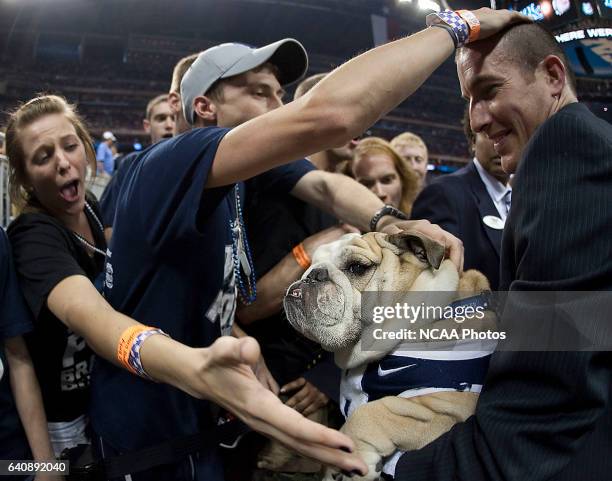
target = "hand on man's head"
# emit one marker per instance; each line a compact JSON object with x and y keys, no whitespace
{"x":493,"y":21}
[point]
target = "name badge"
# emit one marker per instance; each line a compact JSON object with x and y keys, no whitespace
{"x":493,"y":222}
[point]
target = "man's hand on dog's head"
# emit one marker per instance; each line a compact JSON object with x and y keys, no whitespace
{"x":453,"y":245}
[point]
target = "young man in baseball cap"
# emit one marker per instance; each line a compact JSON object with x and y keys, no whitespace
{"x":179,"y":251}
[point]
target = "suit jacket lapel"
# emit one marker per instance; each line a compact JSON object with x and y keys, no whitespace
{"x":485,"y":206}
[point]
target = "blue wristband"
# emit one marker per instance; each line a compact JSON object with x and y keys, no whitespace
{"x":454,"y":21}
{"x":134,"y":359}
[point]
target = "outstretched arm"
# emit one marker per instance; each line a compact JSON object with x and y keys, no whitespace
{"x":222,"y":373}
{"x":343,"y":105}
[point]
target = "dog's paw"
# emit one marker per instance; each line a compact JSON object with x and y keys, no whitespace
{"x":336,"y":476}
{"x":331,"y":475}
{"x":374,"y":474}
{"x":375,"y":465}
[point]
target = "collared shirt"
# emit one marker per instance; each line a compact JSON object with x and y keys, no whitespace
{"x":497,"y":191}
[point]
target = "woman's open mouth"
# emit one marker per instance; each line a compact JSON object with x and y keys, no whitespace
{"x":70,"y":191}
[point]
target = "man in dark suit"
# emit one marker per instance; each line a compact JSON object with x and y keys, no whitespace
{"x":471,"y":204}
{"x":541,"y":415}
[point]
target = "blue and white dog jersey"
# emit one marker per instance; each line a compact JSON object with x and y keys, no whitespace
{"x":410,"y":374}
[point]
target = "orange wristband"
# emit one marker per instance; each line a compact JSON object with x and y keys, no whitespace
{"x":125,"y":344}
{"x":300,"y":256}
{"x":472,"y":22}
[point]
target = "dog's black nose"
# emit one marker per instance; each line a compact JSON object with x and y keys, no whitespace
{"x":319,"y":274}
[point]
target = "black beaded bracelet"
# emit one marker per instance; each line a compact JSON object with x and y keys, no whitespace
{"x":386,"y":210}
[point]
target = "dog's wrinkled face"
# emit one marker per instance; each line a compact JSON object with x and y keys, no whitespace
{"x":325,"y":305}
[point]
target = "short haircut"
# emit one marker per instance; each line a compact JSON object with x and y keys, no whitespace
{"x":153,"y":102}
{"x":528,"y":44}
{"x":470,"y":136}
{"x":408,"y":138}
{"x":308,"y":83}
{"x":179,"y":71}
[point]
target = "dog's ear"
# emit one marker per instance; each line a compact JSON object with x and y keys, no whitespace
{"x":426,"y":249}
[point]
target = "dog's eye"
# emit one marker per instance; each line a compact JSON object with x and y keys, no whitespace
{"x":357,"y":268}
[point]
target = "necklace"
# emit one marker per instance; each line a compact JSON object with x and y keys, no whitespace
{"x":241,"y":257}
{"x":84,"y":241}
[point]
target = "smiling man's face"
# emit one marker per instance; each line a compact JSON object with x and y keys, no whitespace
{"x":507,"y":104}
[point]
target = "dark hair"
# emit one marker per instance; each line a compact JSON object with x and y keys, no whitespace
{"x":470,"y":136}
{"x":528,"y":44}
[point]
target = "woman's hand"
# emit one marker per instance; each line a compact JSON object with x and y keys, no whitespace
{"x":225,"y":376}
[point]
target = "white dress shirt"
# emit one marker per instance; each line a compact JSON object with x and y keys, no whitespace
{"x":498,"y":192}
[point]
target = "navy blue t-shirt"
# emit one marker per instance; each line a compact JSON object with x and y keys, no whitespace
{"x":108,"y":201}
{"x":170,"y":266}
{"x":14,"y":321}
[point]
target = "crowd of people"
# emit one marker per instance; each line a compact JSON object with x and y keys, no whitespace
{"x":147,"y":326}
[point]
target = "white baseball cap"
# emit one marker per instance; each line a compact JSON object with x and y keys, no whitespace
{"x":229,"y":59}
{"x":109,"y":135}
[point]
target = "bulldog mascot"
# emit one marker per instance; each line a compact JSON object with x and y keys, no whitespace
{"x":395,"y":399}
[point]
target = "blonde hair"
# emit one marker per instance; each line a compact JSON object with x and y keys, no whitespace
{"x":25,"y":115}
{"x":179,"y":71}
{"x":409,"y":178}
{"x":308,"y":83}
{"x":154,"y":102}
{"x":408,"y":138}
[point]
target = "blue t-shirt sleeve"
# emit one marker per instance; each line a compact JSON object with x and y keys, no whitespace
{"x":164,"y":195}
{"x":281,"y":179}
{"x":15,"y":317}
{"x":108,"y":201}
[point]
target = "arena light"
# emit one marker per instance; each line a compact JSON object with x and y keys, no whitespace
{"x":587,"y":8}
{"x":429,"y":5}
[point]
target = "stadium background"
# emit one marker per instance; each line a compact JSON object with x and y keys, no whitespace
{"x":111,"y":56}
